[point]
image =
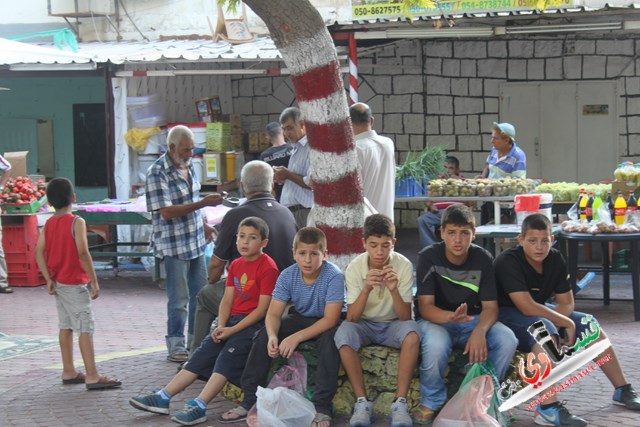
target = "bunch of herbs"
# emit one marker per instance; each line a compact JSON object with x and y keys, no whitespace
{"x":427,"y":164}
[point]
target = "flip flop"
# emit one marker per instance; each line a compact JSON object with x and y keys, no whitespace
{"x":78,"y":379}
{"x":322,"y":418}
{"x":238,"y":414}
{"x":104,"y":382}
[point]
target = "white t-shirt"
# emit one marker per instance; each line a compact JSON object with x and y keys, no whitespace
{"x":376,"y":157}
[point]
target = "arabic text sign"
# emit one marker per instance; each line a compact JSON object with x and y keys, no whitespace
{"x":372,"y":9}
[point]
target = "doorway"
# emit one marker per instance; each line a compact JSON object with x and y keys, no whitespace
{"x":90,"y":145}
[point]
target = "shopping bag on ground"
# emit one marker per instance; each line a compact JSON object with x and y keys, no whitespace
{"x":487,"y":368}
{"x":468,"y":407}
{"x":283,"y":407}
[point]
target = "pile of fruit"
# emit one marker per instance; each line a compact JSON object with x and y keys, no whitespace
{"x":22,"y":191}
{"x":480,"y":187}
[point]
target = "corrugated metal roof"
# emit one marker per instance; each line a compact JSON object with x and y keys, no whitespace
{"x":137,"y":52}
{"x":12,"y":52}
{"x":172,"y":50}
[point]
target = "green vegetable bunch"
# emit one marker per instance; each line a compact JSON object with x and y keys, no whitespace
{"x":428,"y":163}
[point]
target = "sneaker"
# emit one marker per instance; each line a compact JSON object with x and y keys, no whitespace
{"x":361,"y":414}
{"x":557,"y":415}
{"x":151,"y":402}
{"x":626,"y":396}
{"x":400,"y":413}
{"x":190,"y":415}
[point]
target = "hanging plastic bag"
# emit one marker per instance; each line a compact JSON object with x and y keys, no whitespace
{"x":283,"y":407}
{"x":208,"y":252}
{"x":292,"y":376}
{"x":469,"y":406}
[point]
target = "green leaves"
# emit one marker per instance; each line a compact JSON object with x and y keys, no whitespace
{"x":428,"y":163}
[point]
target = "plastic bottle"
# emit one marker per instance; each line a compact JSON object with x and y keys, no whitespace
{"x":632,"y":203}
{"x":609,"y":203}
{"x":597,"y":202}
{"x":620,"y":208}
{"x":588,"y":210}
{"x":582,"y":205}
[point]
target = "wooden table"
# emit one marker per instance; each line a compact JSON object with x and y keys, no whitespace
{"x":496,"y":199}
{"x":633,"y":239}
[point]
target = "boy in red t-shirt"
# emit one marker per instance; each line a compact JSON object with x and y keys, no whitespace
{"x":222,"y":356}
{"x":62,"y":254}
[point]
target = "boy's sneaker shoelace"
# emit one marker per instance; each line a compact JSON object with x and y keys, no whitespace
{"x":190,"y":415}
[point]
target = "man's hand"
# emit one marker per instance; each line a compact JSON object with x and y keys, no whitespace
{"x":460,"y":315}
{"x":213,"y":199}
{"x":288,"y":346}
{"x":280,"y":174}
{"x":272,"y":347}
{"x":569,"y":338}
{"x":476,"y":347}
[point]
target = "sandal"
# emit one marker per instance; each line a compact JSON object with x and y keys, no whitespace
{"x":104,"y":382}
{"x":233,"y":415}
{"x":178,"y":356}
{"x":78,"y":379}
{"x":321,"y":418}
{"x":423,"y":415}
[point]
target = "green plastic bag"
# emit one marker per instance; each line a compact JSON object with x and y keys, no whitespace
{"x":487,"y":368}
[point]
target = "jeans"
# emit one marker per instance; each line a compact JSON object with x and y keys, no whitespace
{"x":184,"y":280}
{"x":207,"y":304}
{"x":437,"y":342}
{"x":427,"y":223}
{"x":259,"y":362}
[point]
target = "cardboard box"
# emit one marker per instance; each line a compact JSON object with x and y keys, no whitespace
{"x":18,"y":160}
{"x":625,"y":188}
{"x":214,"y":168}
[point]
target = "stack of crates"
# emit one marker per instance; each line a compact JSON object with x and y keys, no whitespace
{"x":19,"y":237}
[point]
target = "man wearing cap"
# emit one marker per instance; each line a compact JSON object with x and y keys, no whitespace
{"x":279,"y":152}
{"x":506,"y":159}
{"x":5,"y":167}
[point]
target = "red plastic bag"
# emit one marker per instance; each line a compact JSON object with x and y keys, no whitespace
{"x":469,"y":406}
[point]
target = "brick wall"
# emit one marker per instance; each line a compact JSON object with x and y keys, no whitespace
{"x":446,"y":92}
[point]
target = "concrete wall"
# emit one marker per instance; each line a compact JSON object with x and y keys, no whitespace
{"x":446,"y":92}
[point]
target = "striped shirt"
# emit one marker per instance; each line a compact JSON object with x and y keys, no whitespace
{"x":292,"y":193}
{"x":181,"y":237}
{"x":310,"y":300}
{"x":513,"y":165}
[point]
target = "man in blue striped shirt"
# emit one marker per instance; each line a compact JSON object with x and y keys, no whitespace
{"x":296,"y":192}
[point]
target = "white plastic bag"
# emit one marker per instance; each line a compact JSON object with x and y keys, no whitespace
{"x":469,"y":406}
{"x":282,"y":407}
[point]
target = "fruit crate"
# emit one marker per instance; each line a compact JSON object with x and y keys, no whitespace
{"x":19,"y":237}
{"x":23,"y":270}
{"x":32,"y":207}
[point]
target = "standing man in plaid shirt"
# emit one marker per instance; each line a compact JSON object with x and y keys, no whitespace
{"x":179,"y":233}
{"x":5,"y":167}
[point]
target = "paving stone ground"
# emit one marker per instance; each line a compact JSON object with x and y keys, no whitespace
{"x":129,"y":341}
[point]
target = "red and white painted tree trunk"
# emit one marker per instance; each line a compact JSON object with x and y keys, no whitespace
{"x":309,"y":53}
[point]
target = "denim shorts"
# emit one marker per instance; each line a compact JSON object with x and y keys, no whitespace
{"x":364,"y":332}
{"x":519,"y":323}
{"x":74,"y":308}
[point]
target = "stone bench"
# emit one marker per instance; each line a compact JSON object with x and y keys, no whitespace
{"x":380,"y":367}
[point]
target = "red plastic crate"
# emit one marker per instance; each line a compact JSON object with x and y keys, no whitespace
{"x":19,"y":237}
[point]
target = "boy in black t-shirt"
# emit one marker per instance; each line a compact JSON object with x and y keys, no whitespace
{"x":527,"y":276}
{"x":457,"y":307}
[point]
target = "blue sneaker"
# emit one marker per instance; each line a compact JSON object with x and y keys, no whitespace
{"x":557,"y":415}
{"x":190,"y":415}
{"x":151,"y":402}
{"x":626,"y":396}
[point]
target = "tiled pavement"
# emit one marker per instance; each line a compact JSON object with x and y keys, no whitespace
{"x":129,"y":342}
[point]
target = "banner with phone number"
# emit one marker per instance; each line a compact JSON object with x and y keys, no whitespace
{"x":372,"y":9}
